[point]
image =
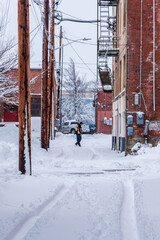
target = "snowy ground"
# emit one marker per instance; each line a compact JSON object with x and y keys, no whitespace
{"x":87,"y":193}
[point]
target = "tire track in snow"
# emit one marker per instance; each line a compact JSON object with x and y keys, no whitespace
{"x":129,"y":228}
{"x":106,"y":214}
{"x":20,"y":231}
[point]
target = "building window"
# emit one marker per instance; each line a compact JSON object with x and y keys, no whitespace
{"x":36,"y":107}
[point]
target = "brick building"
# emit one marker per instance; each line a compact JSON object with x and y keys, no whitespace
{"x":9,"y":111}
{"x":103,"y":112}
{"x":136,"y":102}
{"x":132,"y":40}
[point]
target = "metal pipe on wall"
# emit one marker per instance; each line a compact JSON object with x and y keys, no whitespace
{"x":141,"y":28}
{"x":126,"y":69}
{"x":154,"y":55}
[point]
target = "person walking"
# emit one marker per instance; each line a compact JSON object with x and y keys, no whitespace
{"x":79,"y":134}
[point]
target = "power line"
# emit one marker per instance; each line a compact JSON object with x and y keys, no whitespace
{"x":79,"y":41}
{"x":30,"y":33}
{"x":74,"y":17}
{"x":35,"y":15}
{"x":60,"y":19}
{"x":82,"y":60}
{"x":35,"y":34}
{"x":77,"y":63}
{"x":6,"y":18}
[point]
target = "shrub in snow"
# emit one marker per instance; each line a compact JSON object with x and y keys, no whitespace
{"x":140,"y":148}
{"x":136,"y":147}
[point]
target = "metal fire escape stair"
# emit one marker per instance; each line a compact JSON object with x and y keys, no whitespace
{"x":108,"y":2}
{"x":107,"y":42}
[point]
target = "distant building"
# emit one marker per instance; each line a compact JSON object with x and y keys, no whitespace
{"x":103,"y":112}
{"x":9,"y":112}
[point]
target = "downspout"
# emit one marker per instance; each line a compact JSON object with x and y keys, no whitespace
{"x":126,"y":74}
{"x":154,"y":34}
{"x":97,"y":42}
{"x":101,"y":117}
{"x":141,"y":26}
{"x":96,"y":116}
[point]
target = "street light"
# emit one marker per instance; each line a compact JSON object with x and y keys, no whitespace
{"x":61,"y":70}
{"x":73,"y":41}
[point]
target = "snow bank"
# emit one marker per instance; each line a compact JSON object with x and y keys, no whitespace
{"x":78,"y":193}
{"x":147,"y":208}
{"x":22,"y":198}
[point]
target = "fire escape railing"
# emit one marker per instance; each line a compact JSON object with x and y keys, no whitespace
{"x":107,"y":41}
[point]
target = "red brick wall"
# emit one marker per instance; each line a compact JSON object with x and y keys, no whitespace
{"x":35,"y":77}
{"x":133,"y":63}
{"x":105,"y":99}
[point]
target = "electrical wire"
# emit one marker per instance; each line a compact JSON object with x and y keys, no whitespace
{"x":30,"y":33}
{"x":73,"y":17}
{"x":35,"y":34}
{"x":6,"y":18}
{"x":79,"y":41}
{"x":35,"y":15}
{"x":83,"y":61}
{"x":77,"y":63}
{"x":60,"y":19}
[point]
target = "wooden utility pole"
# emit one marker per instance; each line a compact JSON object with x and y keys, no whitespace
{"x":44,"y":143}
{"x":51,"y":80}
{"x":59,"y":75}
{"x":24,"y":86}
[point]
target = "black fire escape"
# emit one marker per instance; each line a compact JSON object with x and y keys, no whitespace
{"x":107,"y":41}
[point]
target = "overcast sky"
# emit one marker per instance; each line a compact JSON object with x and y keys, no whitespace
{"x":84,"y":9}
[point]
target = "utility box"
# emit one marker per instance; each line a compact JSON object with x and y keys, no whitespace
{"x":140,"y":118}
{"x":130,"y":120}
{"x":130,"y":131}
{"x":105,"y":120}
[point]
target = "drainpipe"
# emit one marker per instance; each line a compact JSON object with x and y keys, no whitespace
{"x":101,"y":117}
{"x":154,"y":55}
{"x":141,"y":26}
{"x":126,"y":71}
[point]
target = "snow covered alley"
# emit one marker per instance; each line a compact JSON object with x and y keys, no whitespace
{"x":87,"y":193}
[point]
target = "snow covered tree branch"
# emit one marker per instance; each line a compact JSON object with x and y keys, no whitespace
{"x":74,"y":106}
{"x":8,"y":60}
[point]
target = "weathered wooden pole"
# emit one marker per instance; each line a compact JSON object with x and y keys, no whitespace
{"x":55,"y":103}
{"x":59,"y":75}
{"x":44,"y":120}
{"x":24,"y":111}
{"x":51,"y":79}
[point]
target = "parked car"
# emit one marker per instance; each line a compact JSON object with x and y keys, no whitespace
{"x":70,"y":127}
{"x":92,"y":128}
{"x":85,"y":128}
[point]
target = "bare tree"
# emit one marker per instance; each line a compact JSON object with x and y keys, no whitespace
{"x":8,"y":60}
{"x":75,"y":87}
